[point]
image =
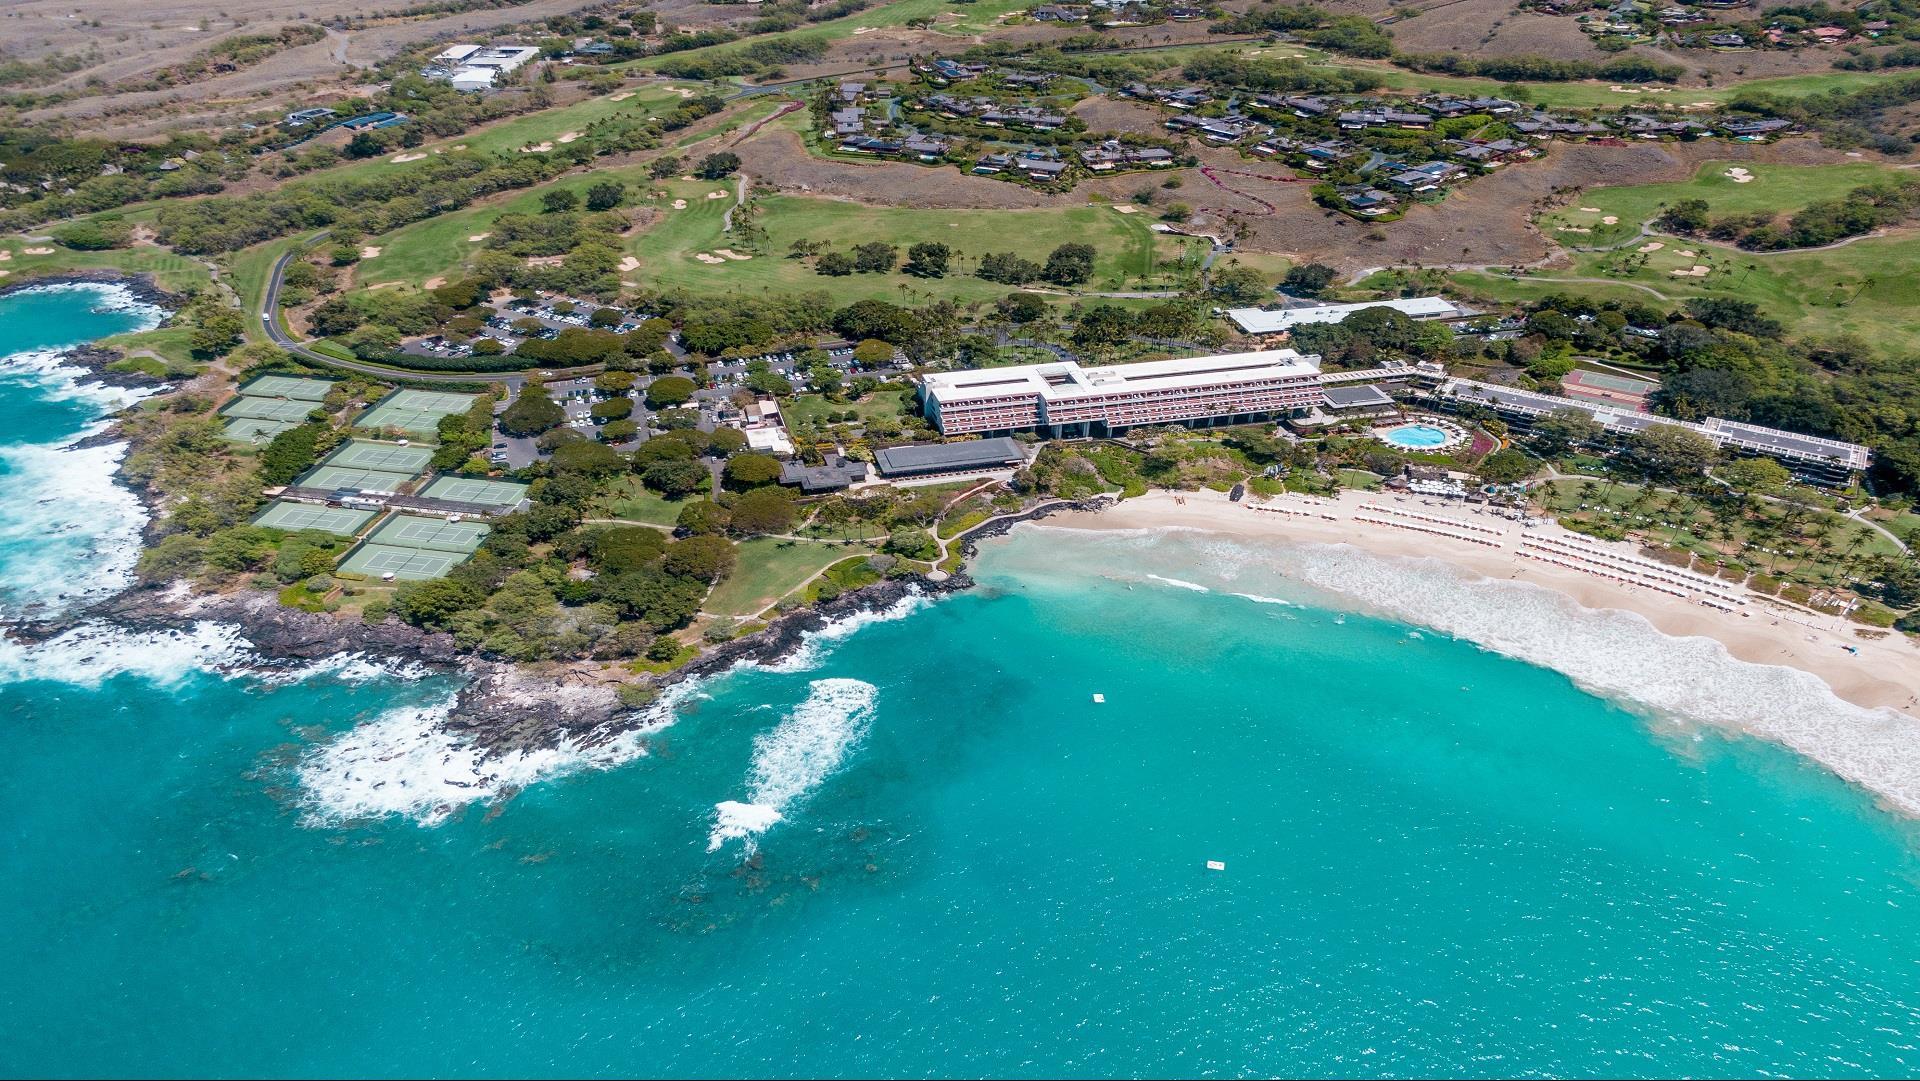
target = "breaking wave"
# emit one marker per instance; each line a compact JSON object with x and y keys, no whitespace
{"x":408,"y":762}
{"x":795,"y":757}
{"x":92,"y":653}
{"x":70,"y":534}
{"x":815,"y":645}
{"x":1180,"y":583}
{"x":1616,"y":654}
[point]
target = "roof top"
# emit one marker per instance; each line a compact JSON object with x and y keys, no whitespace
{"x":1260,"y":321}
{"x":939,"y":457}
{"x":1066,"y":380}
{"x":1365,"y":394}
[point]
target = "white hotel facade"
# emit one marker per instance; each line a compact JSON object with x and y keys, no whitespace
{"x":1066,"y":400}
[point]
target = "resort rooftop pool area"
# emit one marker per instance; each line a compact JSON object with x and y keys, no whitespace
{"x":1416,"y":436}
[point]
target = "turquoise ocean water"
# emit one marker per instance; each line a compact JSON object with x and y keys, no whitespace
{"x":921,"y":848}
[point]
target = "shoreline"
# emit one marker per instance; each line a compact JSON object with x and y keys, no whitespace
{"x":1883,"y":674}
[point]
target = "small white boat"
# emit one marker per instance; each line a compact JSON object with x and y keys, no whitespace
{"x":1216,"y":865}
{"x":1099,"y":699}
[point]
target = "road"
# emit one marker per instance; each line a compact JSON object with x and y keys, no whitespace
{"x":268,"y":319}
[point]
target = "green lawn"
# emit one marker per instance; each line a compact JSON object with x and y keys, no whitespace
{"x":171,"y":344}
{"x":438,"y":246}
{"x":628,"y":500}
{"x":1866,"y":288}
{"x":813,"y":408}
{"x":768,"y":569}
{"x":669,"y":251}
{"x":1783,"y":188}
{"x":173,"y":272}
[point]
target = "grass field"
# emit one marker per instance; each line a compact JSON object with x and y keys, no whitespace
{"x":173,"y":345}
{"x":813,"y":408}
{"x":1867,"y":288}
{"x":629,"y":501}
{"x":1784,"y":188}
{"x":769,"y":569}
{"x":437,"y":246}
{"x":175,"y":273}
{"x":669,"y":250}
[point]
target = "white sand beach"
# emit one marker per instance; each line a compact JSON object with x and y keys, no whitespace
{"x":1883,"y":673}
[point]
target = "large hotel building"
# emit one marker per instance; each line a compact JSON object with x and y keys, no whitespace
{"x":1065,"y":400}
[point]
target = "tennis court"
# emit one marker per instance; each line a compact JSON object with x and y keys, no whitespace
{"x":434,"y":534}
{"x":296,"y":516}
{"x":412,"y":546}
{"x":407,"y":564}
{"x":414,"y":410}
{"x":492,"y":493}
{"x":333,"y":477}
{"x":251,"y":430}
{"x":288,"y":386}
{"x":385,"y":457}
{"x":1620,"y":383}
{"x":268,"y":409}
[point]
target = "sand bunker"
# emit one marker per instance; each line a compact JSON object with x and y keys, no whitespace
{"x":679,"y":204}
{"x":707,"y":258}
{"x":729,"y":253}
{"x":1610,"y":219}
{"x":369,"y":252}
{"x":1624,"y":89}
{"x":537,"y":148}
{"x":5,"y":255}
{"x":1653,"y":245}
{"x":716,"y":195}
{"x":459,"y":146}
{"x":1686,"y":254}
{"x":402,"y":159}
{"x":621,"y":96}
{"x":683,"y":91}
{"x":433,"y":283}
{"x":1574,"y":229}
{"x":1739,"y":175}
{"x":688,"y":179}
{"x":1124,"y":208}
{"x":1589,"y":210}
{"x":1695,"y":271}
{"x":545,"y":260}
{"x":478,"y":237}
{"x":36,"y":251}
{"x":629,"y":263}
{"x":567,"y":137}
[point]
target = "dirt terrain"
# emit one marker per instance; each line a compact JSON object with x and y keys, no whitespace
{"x":135,"y":39}
{"x":775,"y":156}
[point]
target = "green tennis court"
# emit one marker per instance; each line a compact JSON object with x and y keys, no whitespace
{"x":1621,"y":383}
{"x":385,"y":457}
{"x":341,"y":476}
{"x":288,"y":386}
{"x":268,"y":409}
{"x":296,"y":516}
{"x":492,"y":493}
{"x":251,"y":430}
{"x":433,"y":534}
{"x":414,"y":410}
{"x":409,"y":564}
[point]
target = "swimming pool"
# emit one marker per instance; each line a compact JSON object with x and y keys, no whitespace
{"x":1415,"y":436}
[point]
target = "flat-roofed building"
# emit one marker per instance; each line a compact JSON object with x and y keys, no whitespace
{"x":1261,"y":321}
{"x":1810,"y":457}
{"x":936,"y":459}
{"x":1066,"y":399}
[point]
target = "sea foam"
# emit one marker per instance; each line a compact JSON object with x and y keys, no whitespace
{"x":795,"y":757}
{"x":815,"y":645}
{"x":94,"y":652}
{"x":71,"y":534}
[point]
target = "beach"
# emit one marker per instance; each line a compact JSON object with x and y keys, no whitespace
{"x":1883,"y":673}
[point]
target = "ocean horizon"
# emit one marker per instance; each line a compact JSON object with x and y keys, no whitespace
{"x":1467,"y":828}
